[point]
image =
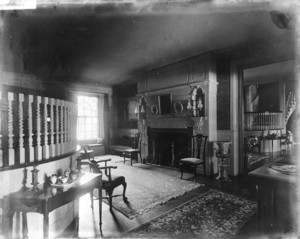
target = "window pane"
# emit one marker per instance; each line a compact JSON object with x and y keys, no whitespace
{"x":87,"y":106}
{"x":87,"y":127}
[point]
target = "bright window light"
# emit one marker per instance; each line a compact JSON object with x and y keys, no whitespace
{"x":88,"y":118}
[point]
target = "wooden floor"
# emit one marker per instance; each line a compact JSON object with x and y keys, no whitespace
{"x":115,"y":223}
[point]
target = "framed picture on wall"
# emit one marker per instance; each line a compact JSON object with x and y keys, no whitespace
{"x":165,"y":104}
{"x":132,"y":105}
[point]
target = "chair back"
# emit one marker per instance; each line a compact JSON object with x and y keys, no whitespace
{"x":94,"y":167}
{"x":86,"y":152}
{"x":199,"y":142}
{"x":137,"y":141}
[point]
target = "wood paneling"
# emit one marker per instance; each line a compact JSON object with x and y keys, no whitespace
{"x":189,"y":71}
{"x":198,"y":71}
{"x":143,"y":85}
{"x":168,"y":78}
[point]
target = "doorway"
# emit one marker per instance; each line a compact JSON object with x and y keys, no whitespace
{"x":264,"y":92}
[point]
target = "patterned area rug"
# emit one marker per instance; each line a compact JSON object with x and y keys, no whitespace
{"x":214,"y":214}
{"x":147,"y":186}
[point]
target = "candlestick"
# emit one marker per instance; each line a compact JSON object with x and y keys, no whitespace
{"x":34,"y":178}
{"x":24,"y":188}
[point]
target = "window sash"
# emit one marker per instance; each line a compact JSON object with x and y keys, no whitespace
{"x":88,"y":117}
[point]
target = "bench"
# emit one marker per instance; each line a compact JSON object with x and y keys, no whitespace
{"x":128,"y":151}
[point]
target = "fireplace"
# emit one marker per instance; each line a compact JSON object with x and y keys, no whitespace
{"x":166,"y":146}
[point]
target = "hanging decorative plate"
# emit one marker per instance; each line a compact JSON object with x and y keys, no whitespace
{"x":154,"y":109}
{"x":177,"y":107}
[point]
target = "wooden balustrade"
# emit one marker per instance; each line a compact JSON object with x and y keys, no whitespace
{"x":263,"y":121}
{"x":34,"y":128}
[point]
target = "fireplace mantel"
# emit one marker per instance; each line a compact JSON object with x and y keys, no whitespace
{"x":178,"y":80}
{"x":176,"y":123}
{"x":199,"y":124}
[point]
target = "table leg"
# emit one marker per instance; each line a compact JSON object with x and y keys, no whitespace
{"x":24,"y":225}
{"x":124,"y":157}
{"x":46,"y":221}
{"x":100,"y":207}
{"x":272,"y":207}
{"x":260,"y":205}
{"x":8,"y":223}
{"x":219,"y":169}
{"x":77,"y":219}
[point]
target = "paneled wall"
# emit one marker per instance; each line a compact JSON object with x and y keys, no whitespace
{"x":180,"y":73}
{"x":179,"y":80}
{"x":223,"y":97}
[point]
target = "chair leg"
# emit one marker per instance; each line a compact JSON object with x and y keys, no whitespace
{"x":181,"y":170}
{"x":110,"y":202}
{"x":124,"y":192}
{"x":124,"y":156}
{"x":109,"y":193}
{"x":130,"y":159}
{"x":204,"y":169}
{"x":195,"y":173}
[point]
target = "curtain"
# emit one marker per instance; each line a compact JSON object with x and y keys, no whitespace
{"x":106,"y":122}
{"x":101,"y":116}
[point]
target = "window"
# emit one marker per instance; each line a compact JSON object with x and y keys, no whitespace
{"x":88,"y":117}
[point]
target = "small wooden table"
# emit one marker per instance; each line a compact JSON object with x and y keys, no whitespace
{"x":124,"y":150}
{"x":44,"y":201}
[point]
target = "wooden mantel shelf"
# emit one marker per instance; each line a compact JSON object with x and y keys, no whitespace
{"x":171,"y":122}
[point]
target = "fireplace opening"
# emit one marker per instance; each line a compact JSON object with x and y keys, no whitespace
{"x":168,"y":146}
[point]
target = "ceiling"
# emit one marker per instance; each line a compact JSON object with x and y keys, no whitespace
{"x":111,"y":43}
{"x":279,"y":71}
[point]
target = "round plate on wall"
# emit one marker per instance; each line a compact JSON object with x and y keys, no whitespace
{"x":177,"y":107}
{"x":154,"y":109}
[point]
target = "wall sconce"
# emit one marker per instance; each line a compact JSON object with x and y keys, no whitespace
{"x":34,"y":172}
{"x":141,"y":109}
{"x":196,"y":102}
{"x":189,"y":106}
{"x":136,"y":110}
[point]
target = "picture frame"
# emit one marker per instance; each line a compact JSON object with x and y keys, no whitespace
{"x":165,"y":104}
{"x":154,"y":109}
{"x":177,"y":107}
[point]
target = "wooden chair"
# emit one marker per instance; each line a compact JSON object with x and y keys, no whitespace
{"x":198,"y":155}
{"x":109,"y":181}
{"x":127,"y":151}
{"x":85,"y":156}
{"x":135,"y":150}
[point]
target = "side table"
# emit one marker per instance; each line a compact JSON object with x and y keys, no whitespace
{"x":44,"y":201}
